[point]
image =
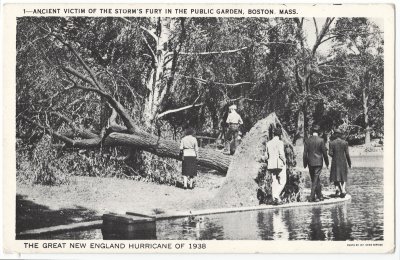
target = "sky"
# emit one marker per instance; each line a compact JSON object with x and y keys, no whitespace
{"x":324,"y":48}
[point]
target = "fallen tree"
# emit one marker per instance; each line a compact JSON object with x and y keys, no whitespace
{"x":139,"y":140}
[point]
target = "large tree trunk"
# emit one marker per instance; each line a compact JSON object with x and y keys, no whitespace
{"x":304,"y":72}
{"x":299,"y":138}
{"x":158,"y":146}
{"x":159,"y":79}
{"x":366,"y":118}
{"x":161,"y":69}
{"x":166,"y":148}
{"x":136,"y":140}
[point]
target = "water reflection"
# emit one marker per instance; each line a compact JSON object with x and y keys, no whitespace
{"x":316,"y":228}
{"x":128,"y":234}
{"x":281,"y":231}
{"x":341,"y":228}
{"x":265,"y":226}
{"x":186,"y":228}
{"x":316,"y":223}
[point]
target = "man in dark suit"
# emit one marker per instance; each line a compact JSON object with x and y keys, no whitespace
{"x":315,"y":153}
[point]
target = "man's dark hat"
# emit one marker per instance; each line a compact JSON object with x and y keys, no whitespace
{"x":315,"y":128}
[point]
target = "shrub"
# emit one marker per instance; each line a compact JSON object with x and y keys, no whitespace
{"x":46,"y":165}
{"x":42,"y":166}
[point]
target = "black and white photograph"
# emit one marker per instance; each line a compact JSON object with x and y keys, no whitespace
{"x":210,"y":124}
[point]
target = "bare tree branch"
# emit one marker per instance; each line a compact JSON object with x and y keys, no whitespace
{"x":72,"y":49}
{"x":244,"y":98}
{"x":213,"y":52}
{"x":78,"y":75}
{"x":203,"y":81}
{"x":325,"y":82}
{"x":177,"y":110}
{"x":329,"y":38}
{"x":128,"y":121}
{"x":233,"y":84}
{"x":321,"y":35}
{"x":82,"y":132}
{"x":65,"y":139}
{"x":283,"y":43}
{"x":30,"y":43}
{"x":316,"y":27}
{"x":150,"y":32}
{"x":153,"y":55}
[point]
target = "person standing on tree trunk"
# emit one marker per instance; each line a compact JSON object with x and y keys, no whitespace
{"x":276,"y":164}
{"x":339,"y":151}
{"x":314,"y":156}
{"x":189,"y":151}
{"x":234,"y":121}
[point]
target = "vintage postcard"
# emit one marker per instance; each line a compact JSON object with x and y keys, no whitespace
{"x":199,"y":128}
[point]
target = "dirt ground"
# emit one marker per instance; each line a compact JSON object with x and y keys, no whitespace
{"x":87,"y":198}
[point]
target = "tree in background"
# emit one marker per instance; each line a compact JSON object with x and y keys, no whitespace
{"x":309,"y":76}
{"x":360,"y":44}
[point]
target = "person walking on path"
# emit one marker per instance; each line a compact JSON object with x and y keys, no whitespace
{"x":276,"y":164}
{"x":189,"y":151}
{"x":234,"y":121}
{"x":315,"y":153}
{"x":339,"y":151}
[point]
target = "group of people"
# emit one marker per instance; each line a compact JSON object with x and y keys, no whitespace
{"x":314,"y":156}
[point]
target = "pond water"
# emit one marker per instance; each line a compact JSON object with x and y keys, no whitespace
{"x":361,"y":218}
